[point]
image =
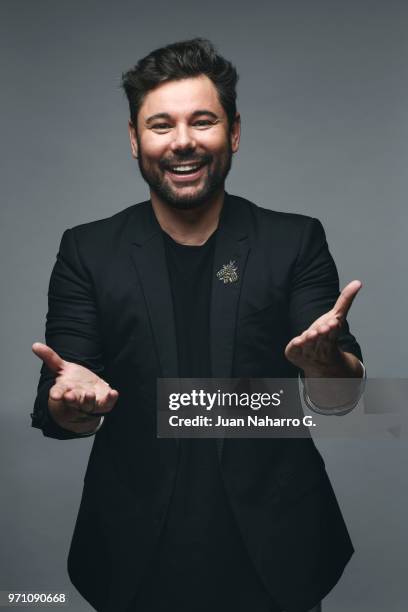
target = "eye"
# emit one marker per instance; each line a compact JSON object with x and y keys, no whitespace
{"x":161,"y":126}
{"x":203,"y":123}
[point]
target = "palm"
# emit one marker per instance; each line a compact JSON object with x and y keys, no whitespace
{"x":325,"y":319}
{"x":79,"y":379}
{"x":318,"y":344}
{"x":76,"y":389}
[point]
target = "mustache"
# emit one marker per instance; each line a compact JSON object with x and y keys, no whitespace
{"x":165,"y":164}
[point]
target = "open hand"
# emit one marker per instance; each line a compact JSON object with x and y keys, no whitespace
{"x":316,"y":351}
{"x":78,"y":395}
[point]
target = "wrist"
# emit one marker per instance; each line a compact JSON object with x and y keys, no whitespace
{"x":340,"y":365}
{"x":83,"y":425}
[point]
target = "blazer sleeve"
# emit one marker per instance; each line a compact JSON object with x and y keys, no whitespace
{"x":315,"y":286}
{"x":72,"y":328}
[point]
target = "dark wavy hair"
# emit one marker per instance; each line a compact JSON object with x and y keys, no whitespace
{"x":177,"y":61}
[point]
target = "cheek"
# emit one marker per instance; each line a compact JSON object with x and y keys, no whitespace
{"x":154,"y":149}
{"x":219,"y":145}
{"x":215,"y":142}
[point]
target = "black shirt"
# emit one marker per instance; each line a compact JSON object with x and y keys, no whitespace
{"x":202,"y":564}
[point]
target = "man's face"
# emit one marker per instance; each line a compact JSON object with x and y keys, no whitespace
{"x":183,"y":142}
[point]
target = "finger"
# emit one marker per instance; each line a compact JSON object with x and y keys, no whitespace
{"x":334,"y":332}
{"x":310,"y":337}
{"x":107,"y":401}
{"x":299,"y":343}
{"x":51,"y":359}
{"x":87,"y":402}
{"x":72,"y":398}
{"x":323,"y":346}
{"x":346,"y":297}
{"x":294,"y":347}
{"x":323,"y":330}
{"x":111,"y":400}
{"x":57,"y":392}
{"x":312,"y":343}
{"x":94,"y":406}
{"x":89,"y":397}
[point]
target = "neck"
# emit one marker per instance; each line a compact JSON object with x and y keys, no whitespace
{"x":191,"y":227}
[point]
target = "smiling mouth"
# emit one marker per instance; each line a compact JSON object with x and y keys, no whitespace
{"x":187,"y":170}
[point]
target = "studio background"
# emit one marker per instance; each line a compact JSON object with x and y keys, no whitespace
{"x":323,"y":99}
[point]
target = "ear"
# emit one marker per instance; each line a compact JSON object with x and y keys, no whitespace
{"x":235,"y":133}
{"x":133,"y":139}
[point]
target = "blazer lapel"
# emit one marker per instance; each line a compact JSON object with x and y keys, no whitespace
{"x":230,"y":257}
{"x":147,"y":252}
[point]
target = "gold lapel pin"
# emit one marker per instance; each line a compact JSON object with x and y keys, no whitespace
{"x":228,"y":273}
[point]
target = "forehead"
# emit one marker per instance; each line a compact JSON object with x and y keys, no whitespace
{"x":182,"y":97}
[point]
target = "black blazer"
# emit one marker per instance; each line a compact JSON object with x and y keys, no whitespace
{"x":110,"y":309}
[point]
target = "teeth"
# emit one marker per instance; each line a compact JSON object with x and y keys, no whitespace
{"x":185,"y":168}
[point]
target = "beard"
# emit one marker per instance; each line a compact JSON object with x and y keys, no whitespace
{"x":217,"y":170}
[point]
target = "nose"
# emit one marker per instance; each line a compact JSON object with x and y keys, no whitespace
{"x":183,"y":139}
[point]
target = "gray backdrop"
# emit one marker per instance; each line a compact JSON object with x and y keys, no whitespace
{"x":323,"y":98}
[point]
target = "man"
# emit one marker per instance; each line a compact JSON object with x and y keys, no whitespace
{"x":199,"y":524}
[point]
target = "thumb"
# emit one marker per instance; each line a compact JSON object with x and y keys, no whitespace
{"x":51,"y":359}
{"x":346,"y":297}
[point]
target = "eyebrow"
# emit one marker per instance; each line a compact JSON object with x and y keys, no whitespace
{"x":196,"y":113}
